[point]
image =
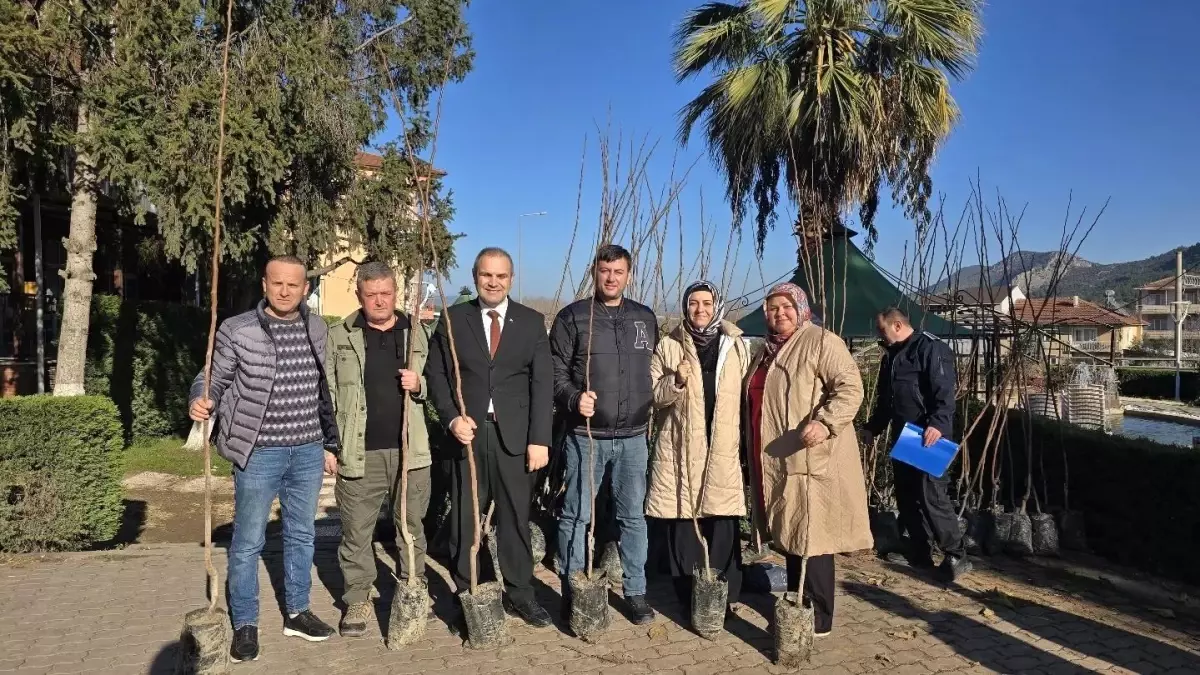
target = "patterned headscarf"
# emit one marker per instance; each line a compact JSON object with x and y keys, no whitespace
{"x":702,"y":336}
{"x":803,"y":313}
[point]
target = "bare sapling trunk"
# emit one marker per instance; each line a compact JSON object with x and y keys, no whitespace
{"x":405,"y":447}
{"x":591,"y":465}
{"x":77,"y":275}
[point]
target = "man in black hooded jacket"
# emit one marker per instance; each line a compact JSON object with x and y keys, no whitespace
{"x":620,"y":336}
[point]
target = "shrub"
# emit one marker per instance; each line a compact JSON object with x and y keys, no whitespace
{"x":1136,"y":495}
{"x":331,"y":320}
{"x":144,"y":356}
{"x":60,"y":476}
{"x":1157,"y":383}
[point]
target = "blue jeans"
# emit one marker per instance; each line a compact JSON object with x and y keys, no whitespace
{"x":628,"y":458}
{"x":294,"y":475}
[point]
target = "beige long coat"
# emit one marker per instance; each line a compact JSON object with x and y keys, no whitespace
{"x":679,"y":413}
{"x":832,"y":509}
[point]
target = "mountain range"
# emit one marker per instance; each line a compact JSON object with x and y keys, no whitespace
{"x":1034,"y":272}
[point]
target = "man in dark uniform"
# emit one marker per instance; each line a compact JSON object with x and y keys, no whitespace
{"x":916,"y":384}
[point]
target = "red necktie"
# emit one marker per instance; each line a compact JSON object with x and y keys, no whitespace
{"x":494,"y":334}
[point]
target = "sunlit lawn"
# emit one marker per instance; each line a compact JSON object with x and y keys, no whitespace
{"x":167,"y":455}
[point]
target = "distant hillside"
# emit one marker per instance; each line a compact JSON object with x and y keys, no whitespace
{"x":1084,"y":278}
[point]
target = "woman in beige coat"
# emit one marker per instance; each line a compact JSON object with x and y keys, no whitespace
{"x":802,"y":395}
{"x":697,"y":372}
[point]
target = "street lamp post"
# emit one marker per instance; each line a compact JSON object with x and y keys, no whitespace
{"x":520,"y":276}
{"x":1180,"y":313}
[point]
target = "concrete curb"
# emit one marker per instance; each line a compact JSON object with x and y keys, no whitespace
{"x":1173,"y":597}
{"x":1166,"y":415}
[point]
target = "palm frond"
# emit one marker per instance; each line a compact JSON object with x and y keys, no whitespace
{"x":943,"y":32}
{"x":835,"y":97}
{"x":773,"y":14}
{"x":717,"y":34}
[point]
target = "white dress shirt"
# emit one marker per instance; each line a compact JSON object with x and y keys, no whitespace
{"x":502,"y":310}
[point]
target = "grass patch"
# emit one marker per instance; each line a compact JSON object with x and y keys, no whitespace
{"x":167,"y":455}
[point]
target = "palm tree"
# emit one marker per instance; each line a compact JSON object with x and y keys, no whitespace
{"x":837,"y":97}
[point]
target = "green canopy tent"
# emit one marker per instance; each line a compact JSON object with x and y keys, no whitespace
{"x":866,"y":288}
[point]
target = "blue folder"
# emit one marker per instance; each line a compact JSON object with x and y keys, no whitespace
{"x":910,"y":449}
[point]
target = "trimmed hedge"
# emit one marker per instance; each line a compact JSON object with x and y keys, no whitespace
{"x":144,"y":356}
{"x":1137,"y":496}
{"x":60,"y":473}
{"x":1158,"y":383}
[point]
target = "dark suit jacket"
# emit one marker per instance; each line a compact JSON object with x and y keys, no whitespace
{"x":519,"y":381}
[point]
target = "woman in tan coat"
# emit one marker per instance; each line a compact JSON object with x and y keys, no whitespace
{"x":802,"y":395}
{"x":697,"y":373}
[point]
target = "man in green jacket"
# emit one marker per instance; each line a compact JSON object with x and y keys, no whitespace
{"x":369,"y":377}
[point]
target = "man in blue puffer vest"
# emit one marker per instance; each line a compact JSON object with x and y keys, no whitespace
{"x":274,"y":422}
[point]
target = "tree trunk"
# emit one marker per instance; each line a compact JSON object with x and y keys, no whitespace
{"x":77,"y":275}
{"x":39,"y":268}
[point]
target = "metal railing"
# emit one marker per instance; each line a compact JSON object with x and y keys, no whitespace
{"x":1189,"y":333}
{"x":1154,"y":309}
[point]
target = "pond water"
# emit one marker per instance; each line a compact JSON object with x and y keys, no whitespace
{"x":1162,"y":431}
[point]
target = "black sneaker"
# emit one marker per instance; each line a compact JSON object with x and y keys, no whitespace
{"x":245,"y":644}
{"x":954,"y":568}
{"x":920,"y":562}
{"x":528,"y":611}
{"x":640,"y":612}
{"x":306,"y":625}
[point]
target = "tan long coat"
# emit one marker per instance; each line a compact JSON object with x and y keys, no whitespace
{"x":833,"y":509}
{"x":680,"y":412}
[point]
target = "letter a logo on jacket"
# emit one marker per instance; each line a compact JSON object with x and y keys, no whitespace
{"x":641,"y":339}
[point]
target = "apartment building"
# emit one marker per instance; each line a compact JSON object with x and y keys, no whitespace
{"x":1072,"y":328}
{"x":1155,"y":306}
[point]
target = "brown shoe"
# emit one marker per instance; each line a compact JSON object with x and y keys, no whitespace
{"x":355,"y":620}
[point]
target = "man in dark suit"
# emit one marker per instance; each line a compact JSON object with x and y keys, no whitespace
{"x":508,"y":389}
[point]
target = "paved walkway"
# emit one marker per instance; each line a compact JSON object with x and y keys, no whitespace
{"x":120,"y":612}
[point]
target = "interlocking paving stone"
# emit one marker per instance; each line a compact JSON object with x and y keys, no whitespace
{"x":120,"y":612}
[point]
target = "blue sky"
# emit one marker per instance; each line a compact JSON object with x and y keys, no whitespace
{"x":1098,"y":97}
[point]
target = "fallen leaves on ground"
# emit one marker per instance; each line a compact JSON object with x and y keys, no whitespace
{"x":999,"y":597}
{"x":657,"y":632}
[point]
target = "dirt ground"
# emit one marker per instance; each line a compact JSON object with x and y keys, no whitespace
{"x":165,"y":509}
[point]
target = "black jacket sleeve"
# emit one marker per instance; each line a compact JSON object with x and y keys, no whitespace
{"x":541,"y":392}
{"x":881,"y":412}
{"x":439,"y":375}
{"x":563,"y":340}
{"x":939,"y":365}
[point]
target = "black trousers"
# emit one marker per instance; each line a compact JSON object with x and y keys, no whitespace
{"x":926,"y":511}
{"x":818,"y":587}
{"x":724,"y":551}
{"x":502,"y":479}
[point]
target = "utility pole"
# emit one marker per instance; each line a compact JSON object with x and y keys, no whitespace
{"x":1181,"y":312}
